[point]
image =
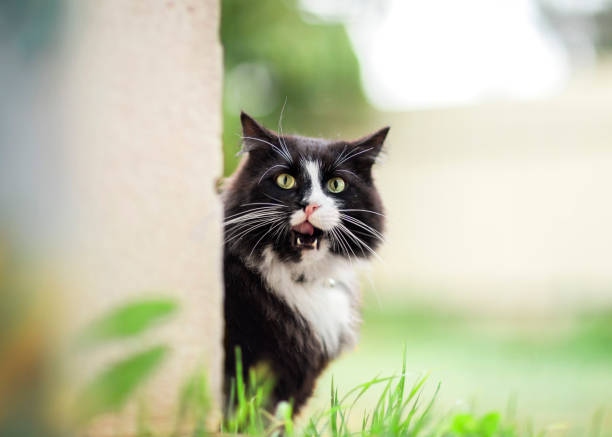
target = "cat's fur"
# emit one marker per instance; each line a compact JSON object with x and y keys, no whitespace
{"x":290,"y":307}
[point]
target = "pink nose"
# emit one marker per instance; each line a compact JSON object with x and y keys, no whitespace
{"x":310,"y":209}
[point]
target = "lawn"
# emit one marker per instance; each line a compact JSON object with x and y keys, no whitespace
{"x":552,"y":374}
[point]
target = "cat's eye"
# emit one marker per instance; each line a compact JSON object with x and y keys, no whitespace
{"x":285,"y":181}
{"x":336,"y":185}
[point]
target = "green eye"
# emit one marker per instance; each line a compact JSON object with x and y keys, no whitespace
{"x":335,"y":185}
{"x":285,"y":181}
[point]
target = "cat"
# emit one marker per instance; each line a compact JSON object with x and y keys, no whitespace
{"x":300,"y":213}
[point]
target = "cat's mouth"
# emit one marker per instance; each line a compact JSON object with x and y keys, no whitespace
{"x":305,"y":236}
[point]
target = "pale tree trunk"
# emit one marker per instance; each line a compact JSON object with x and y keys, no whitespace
{"x":140,"y":99}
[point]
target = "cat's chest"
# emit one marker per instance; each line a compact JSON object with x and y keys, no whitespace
{"x":325,"y":298}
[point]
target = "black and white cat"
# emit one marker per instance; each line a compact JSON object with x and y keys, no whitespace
{"x":299,"y":214}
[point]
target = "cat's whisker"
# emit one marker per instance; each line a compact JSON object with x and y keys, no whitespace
{"x":236,"y":227}
{"x":274,"y":198}
{"x":354,"y":154}
{"x":261,"y":203}
{"x":347,"y":171}
{"x":251,"y":229}
{"x":362,"y":225}
{"x":362,"y":210}
{"x":345,"y":244}
{"x":284,"y":154}
{"x":249,"y":211}
{"x":268,"y":170}
{"x":261,"y":238}
{"x":281,"y":139}
{"x":282,"y":231}
{"x":250,"y":215}
{"x":339,"y":157}
{"x":332,"y":240}
{"x":262,"y":206}
{"x":355,"y":238}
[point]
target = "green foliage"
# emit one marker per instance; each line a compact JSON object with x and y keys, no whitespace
{"x":128,"y":320}
{"x":246,"y":409}
{"x":399,"y":411}
{"x":466,"y":425}
{"x":194,"y":404}
{"x":109,"y":390}
{"x":273,"y":55}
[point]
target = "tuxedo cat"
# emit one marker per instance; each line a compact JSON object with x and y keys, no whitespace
{"x":300,"y":213}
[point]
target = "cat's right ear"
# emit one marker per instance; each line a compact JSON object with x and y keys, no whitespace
{"x":254,"y":135}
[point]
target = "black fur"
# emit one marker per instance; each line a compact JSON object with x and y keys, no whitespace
{"x":268,"y":331}
{"x":256,"y":319}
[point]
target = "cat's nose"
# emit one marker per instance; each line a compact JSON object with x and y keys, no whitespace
{"x":310,"y":209}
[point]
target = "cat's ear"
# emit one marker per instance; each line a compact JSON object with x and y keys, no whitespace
{"x":254,"y":135}
{"x":368,"y":147}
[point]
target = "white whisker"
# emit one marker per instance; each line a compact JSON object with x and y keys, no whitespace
{"x":345,"y":247}
{"x":263,"y":203}
{"x":362,"y":225}
{"x":359,"y":241}
{"x":249,"y":215}
{"x":339,"y":157}
{"x":348,"y":171}
{"x":352,"y":155}
{"x":362,"y":210}
{"x":267,"y":222}
{"x":284,"y":154}
{"x":261,"y":238}
{"x":280,"y":129}
{"x":266,"y":172}
{"x":273,"y":198}
{"x":262,"y":209}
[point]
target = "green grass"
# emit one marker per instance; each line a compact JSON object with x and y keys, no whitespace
{"x":401,"y":408}
{"x":499,"y":378}
{"x":552,"y":373}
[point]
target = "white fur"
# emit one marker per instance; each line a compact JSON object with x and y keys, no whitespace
{"x":327,"y":215}
{"x":326,"y":299}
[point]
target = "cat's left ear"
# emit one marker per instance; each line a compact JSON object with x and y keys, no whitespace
{"x":370,"y":146}
{"x":254,"y":135}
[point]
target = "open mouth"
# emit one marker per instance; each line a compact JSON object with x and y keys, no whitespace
{"x":305,"y":236}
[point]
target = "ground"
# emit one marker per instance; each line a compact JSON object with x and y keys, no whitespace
{"x":554,"y":371}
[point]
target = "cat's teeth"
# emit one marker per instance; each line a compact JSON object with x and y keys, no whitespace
{"x":299,"y":241}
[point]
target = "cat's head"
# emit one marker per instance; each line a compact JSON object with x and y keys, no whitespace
{"x":299,"y":196}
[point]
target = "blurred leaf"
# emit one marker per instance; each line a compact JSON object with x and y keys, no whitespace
{"x":128,"y":320}
{"x":194,"y":403}
{"x":489,"y":424}
{"x":110,"y":389}
{"x":464,"y":424}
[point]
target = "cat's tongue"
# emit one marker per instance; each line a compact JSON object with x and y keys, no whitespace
{"x":304,"y":228}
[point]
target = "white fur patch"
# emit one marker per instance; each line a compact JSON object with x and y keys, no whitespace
{"x":327,"y":215}
{"x":326,"y":298}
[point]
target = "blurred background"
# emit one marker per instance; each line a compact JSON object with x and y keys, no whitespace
{"x":497,"y":271}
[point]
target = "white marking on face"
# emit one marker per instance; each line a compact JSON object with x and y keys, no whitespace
{"x":327,"y":216}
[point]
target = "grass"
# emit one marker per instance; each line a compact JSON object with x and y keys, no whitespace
{"x":522,"y":378}
{"x":552,"y":374}
{"x":401,"y":409}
